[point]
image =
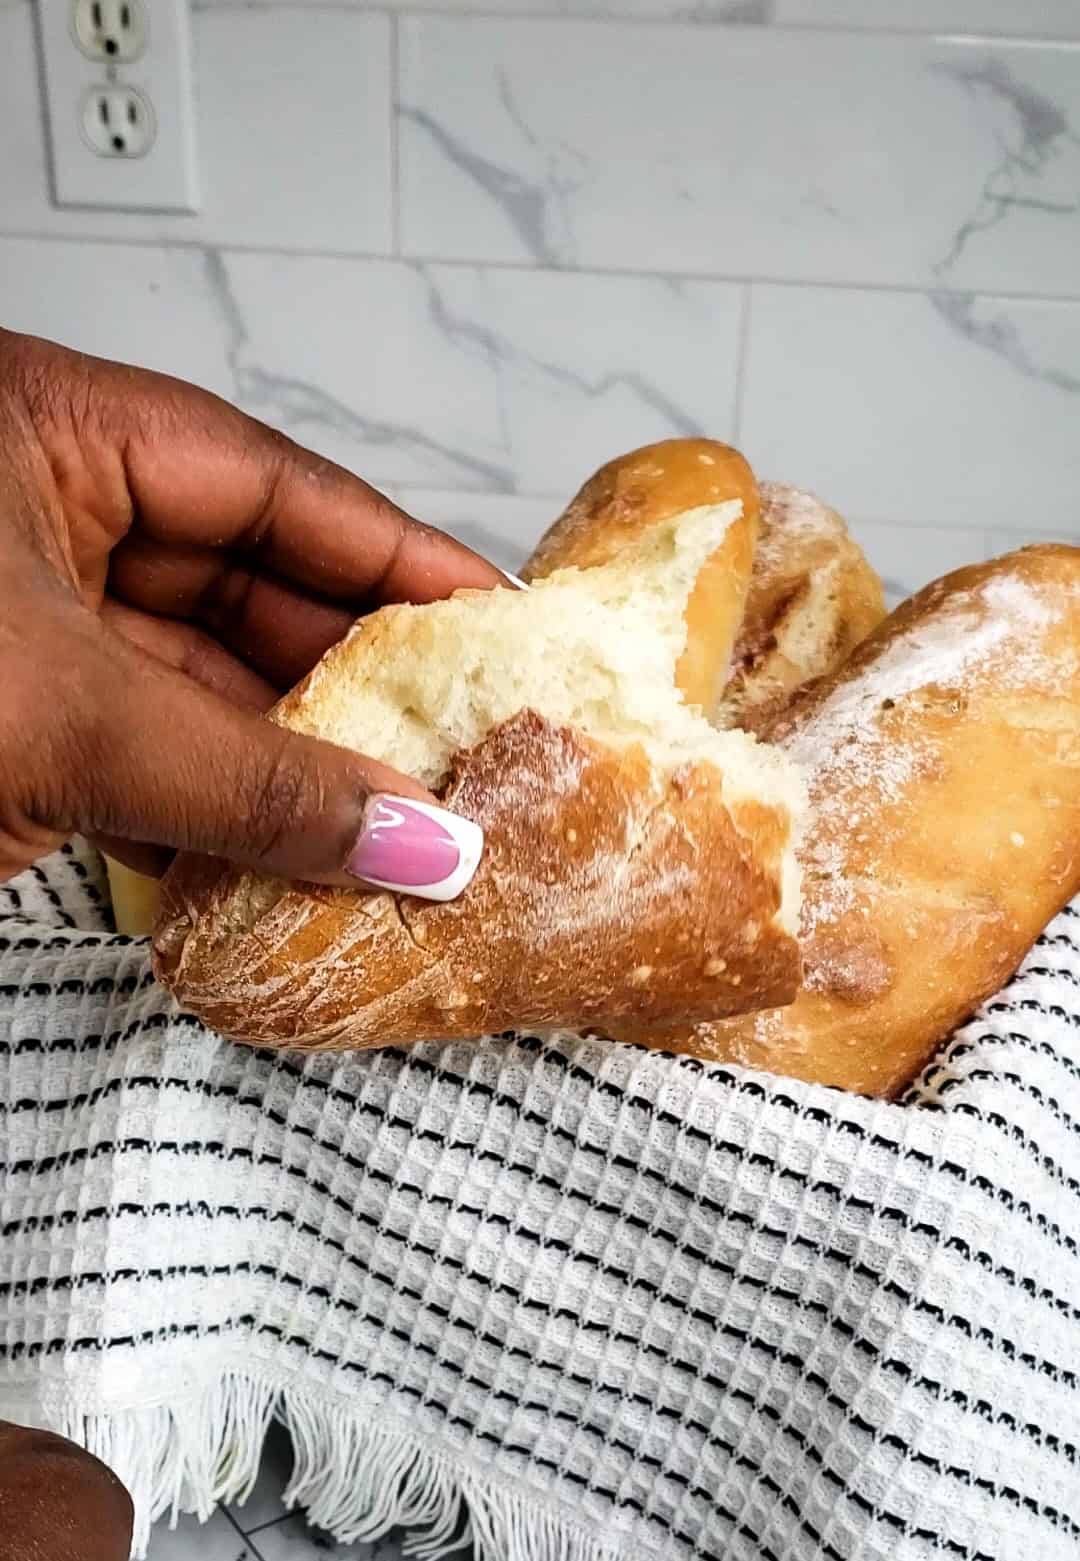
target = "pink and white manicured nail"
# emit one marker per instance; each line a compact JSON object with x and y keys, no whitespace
{"x":416,"y":848}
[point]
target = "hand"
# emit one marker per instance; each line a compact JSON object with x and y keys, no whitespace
{"x":168,"y":566}
{"x":57,"y":1503}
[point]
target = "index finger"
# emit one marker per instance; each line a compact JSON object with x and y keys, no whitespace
{"x":201,"y":471}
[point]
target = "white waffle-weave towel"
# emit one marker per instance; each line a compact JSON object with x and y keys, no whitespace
{"x":613,"y":1305}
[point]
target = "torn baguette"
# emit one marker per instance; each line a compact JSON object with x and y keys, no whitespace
{"x":616,"y":508}
{"x":637,"y":861}
{"x":787,"y":599}
{"x":943,"y":762}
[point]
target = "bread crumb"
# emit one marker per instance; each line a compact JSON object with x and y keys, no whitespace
{"x":715,"y":967}
{"x":641,"y":976}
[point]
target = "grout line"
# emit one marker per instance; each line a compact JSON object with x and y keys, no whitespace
{"x":260,"y":1528}
{"x":740,"y":363}
{"x":254,"y":1549}
{"x":395,"y":134}
{"x":368,"y":257}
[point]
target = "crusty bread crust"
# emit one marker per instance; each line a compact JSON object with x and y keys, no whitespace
{"x":604,"y":892}
{"x":812,"y":598}
{"x":944,"y":768}
{"x":629,"y":496}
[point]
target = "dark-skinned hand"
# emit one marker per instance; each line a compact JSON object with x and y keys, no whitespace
{"x":168,"y":567}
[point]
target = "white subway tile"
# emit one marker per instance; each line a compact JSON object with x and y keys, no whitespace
{"x":455,"y":377}
{"x":439,"y":377}
{"x":743,"y":152}
{"x":909,"y":557}
{"x":293,"y":128}
{"x":130,"y":302}
{"x":1018,"y":18}
{"x":903,"y":408}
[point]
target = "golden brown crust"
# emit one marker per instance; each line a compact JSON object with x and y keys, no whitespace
{"x":630,"y":495}
{"x":944,"y":770}
{"x":812,"y":598}
{"x":604,"y":892}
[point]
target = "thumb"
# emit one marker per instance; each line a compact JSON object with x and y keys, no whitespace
{"x":157,"y":758}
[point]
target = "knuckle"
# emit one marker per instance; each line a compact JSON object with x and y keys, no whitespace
{"x":282,"y":794}
{"x":54,"y":384}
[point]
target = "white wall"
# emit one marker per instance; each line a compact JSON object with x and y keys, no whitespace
{"x":472,"y":255}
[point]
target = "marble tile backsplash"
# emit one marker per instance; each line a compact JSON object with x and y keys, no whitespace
{"x":750,"y":152}
{"x":471,"y":248}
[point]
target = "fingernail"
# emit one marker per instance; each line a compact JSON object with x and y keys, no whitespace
{"x":513,"y":579}
{"x":416,"y":848}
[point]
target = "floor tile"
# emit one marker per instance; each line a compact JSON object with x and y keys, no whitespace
{"x":191,"y":1540}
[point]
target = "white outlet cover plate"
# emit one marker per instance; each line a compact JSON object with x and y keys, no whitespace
{"x":165,"y":178}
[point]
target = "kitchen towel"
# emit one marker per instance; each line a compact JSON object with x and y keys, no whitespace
{"x":578,"y":1301}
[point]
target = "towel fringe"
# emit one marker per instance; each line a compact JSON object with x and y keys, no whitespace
{"x":353,"y":1478}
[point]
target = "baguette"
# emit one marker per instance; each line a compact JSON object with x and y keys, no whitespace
{"x":943,"y":762}
{"x":134,"y":897}
{"x":812,"y":598}
{"x":787,"y":599}
{"x":807,"y":601}
{"x":647,"y":487}
{"x":638,"y":862}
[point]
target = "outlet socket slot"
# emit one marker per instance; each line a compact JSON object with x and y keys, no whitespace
{"x":117,"y":121}
{"x":112,"y":32}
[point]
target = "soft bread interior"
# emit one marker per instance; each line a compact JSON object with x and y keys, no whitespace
{"x":593,"y":648}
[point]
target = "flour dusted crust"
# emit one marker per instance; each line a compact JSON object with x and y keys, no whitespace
{"x":604,"y":891}
{"x":812,"y":598}
{"x":944,"y":769}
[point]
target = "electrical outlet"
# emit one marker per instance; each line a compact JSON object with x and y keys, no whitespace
{"x":118,"y":122}
{"x":120,"y":103}
{"x":110,"y":31}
